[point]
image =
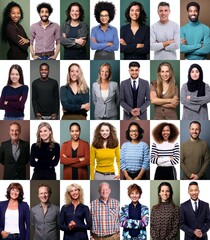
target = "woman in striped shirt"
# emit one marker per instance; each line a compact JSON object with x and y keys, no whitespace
{"x":165,"y":151}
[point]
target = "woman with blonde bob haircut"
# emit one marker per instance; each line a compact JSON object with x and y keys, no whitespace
{"x":75,"y":95}
{"x":75,"y":216}
{"x":45,"y":153}
{"x":105,"y":94}
{"x":164,"y":93}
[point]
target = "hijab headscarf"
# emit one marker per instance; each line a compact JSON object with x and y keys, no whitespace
{"x":196,"y":85}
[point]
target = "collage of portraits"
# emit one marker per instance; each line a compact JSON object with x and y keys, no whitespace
{"x":104,"y":126}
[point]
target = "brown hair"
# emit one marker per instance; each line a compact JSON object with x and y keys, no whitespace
{"x":99,"y":72}
{"x":16,"y":186}
{"x":134,"y":187}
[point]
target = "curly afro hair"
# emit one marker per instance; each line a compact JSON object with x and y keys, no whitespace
{"x":104,"y":6}
{"x":157,"y":132}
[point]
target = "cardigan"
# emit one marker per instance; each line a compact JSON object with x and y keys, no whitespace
{"x":24,"y":218}
{"x":69,"y":162}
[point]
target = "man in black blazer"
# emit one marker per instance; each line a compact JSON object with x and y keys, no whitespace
{"x":134,"y":94}
{"x":195,"y":215}
{"x":14,"y":154}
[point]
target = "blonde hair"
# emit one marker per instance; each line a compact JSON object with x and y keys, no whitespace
{"x":158,"y":84}
{"x":81,"y":83}
{"x":68,"y":199}
{"x":99,"y":72}
{"x":39,"y":140}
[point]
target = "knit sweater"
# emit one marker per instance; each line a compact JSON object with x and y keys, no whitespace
{"x":197,"y":36}
{"x":134,"y":156}
{"x":164,"y":221}
{"x":102,"y":160}
{"x":195,"y":158}
{"x":16,"y":98}
{"x":160,"y":33}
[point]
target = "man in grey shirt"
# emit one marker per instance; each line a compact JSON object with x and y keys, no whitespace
{"x":164,"y":35}
{"x":45,"y":216}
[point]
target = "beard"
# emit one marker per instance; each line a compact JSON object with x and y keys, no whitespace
{"x":193,"y":19}
{"x":44,"y":18}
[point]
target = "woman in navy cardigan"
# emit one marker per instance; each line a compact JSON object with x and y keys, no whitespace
{"x":14,"y":215}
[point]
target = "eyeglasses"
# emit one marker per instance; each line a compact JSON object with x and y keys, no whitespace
{"x":105,"y":16}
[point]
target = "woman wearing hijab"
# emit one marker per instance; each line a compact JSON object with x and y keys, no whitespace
{"x":195,"y":94}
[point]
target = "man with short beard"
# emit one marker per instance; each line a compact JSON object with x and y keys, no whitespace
{"x":195,"y":36}
{"x":46,"y":34}
{"x":194,"y":154}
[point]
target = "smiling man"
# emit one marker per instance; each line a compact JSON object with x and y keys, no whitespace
{"x":195,"y":156}
{"x":194,"y":215}
{"x":164,"y":35}
{"x":44,"y":35}
{"x":45,"y":216}
{"x":195,"y":36}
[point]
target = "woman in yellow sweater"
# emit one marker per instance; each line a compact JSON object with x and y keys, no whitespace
{"x":105,"y":150}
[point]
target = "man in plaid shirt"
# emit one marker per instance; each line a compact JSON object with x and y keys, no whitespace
{"x":105,"y":213}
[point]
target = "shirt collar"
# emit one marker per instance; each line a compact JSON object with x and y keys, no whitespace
{"x":48,"y":205}
{"x":17,"y":142}
{"x":109,"y":26}
{"x":40,"y":23}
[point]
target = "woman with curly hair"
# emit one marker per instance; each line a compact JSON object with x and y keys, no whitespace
{"x":14,"y":215}
{"x":105,"y":150}
{"x":45,"y":153}
{"x":75,"y":95}
{"x":135,"y":36}
{"x":195,"y":94}
{"x":13,"y":33}
{"x":164,"y":93}
{"x":14,"y":94}
{"x":133,"y":228}
{"x":74,"y":33}
{"x":165,"y":217}
{"x":165,"y":152}
{"x":75,"y":155}
{"x":105,"y":94}
{"x":134,"y":154}
{"x":104,"y":37}
{"x":75,"y":216}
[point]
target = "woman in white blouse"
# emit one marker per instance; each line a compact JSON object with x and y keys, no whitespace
{"x":105,"y":94}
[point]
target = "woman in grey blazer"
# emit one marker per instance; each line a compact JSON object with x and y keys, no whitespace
{"x":105,"y":94}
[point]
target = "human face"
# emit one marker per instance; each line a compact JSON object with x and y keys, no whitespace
{"x":15,"y":14}
{"x":14,"y":193}
{"x":43,"y":195}
{"x":74,"y":193}
{"x":74,"y":73}
{"x":134,"y":72}
{"x":133,"y":132}
{"x":74,"y":13}
{"x":134,"y":13}
{"x":104,"y":17}
{"x":14,"y":132}
{"x":44,"y":71}
{"x":166,"y":132}
{"x":194,"y":131}
{"x":44,"y":14}
{"x":14,"y":76}
{"x":75,"y":132}
{"x":104,"y":192}
{"x":105,"y":131}
{"x":45,"y":133}
{"x":193,"y":14}
{"x":164,"y":193}
{"x":165,"y":73}
{"x":194,"y":74}
{"x":134,"y":196}
{"x":193,"y":191}
{"x":163,"y":12}
{"x":104,"y":73}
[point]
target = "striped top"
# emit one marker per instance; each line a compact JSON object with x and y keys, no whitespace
{"x":165,"y":154}
{"x":16,"y":98}
{"x":134,"y":156}
{"x":105,"y":217}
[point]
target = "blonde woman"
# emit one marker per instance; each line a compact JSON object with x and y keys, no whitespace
{"x":45,"y":153}
{"x":105,"y":94}
{"x":75,"y":95}
{"x":73,"y":214}
{"x":164,"y":93}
